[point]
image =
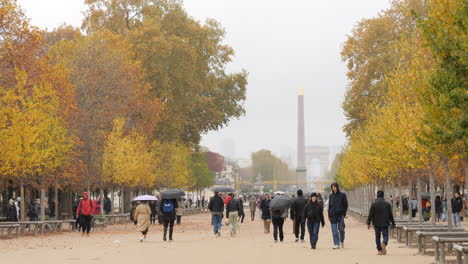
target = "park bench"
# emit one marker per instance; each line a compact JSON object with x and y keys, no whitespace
{"x":57,"y":225}
{"x":440,"y":242}
{"x":423,"y":234}
{"x":461,"y":249}
{"x":100,"y":221}
{"x":38,"y":225}
{"x":398,"y":230}
{"x":122,"y":218}
{"x":9,"y":228}
{"x":409,"y":230}
{"x":360,"y":214}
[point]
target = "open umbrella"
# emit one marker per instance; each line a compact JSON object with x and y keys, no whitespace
{"x":222,"y":189}
{"x":145,"y":198}
{"x":279,"y":193}
{"x":280,"y":202}
{"x":172,"y":194}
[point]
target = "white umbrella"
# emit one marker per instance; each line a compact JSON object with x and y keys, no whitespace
{"x":145,"y":198}
{"x":279,"y":193}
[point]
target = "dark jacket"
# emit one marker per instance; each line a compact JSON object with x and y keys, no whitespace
{"x":107,"y":205}
{"x":438,"y":205}
{"x":297,"y":208}
{"x":457,"y":205}
{"x":169,"y":216}
{"x":153,"y":206}
{"x":313,"y":212}
{"x":265,"y":207}
{"x":337,"y":205}
{"x":380,"y":214}
{"x":277,"y":214}
{"x":216,"y":204}
{"x":233,"y":206}
{"x":11,"y":213}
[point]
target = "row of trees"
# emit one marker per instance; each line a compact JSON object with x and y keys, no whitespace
{"x":407,"y":102}
{"x":123,"y":101}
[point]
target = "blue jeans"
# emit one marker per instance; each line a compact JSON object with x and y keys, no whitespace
{"x":381,"y":231}
{"x":313,"y":228}
{"x":456,"y":219}
{"x":217,"y":219}
{"x":338,"y":230}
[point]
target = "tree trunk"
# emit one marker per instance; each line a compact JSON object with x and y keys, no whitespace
{"x":112,"y":199}
{"x":400,"y":194}
{"x":448,"y":192}
{"x":101,"y":199}
{"x":42,"y":201}
{"x":22,"y":205}
{"x":122,"y":202}
{"x":419,"y":198}
{"x":410,"y":194}
{"x":432,"y":193}
{"x":466,"y":172}
{"x":56,"y":201}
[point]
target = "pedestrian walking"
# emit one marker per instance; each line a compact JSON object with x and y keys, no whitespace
{"x":313,"y":214}
{"x":381,"y":216}
{"x":297,"y":213}
{"x":18,"y":208}
{"x":233,"y":211}
{"x":241,"y":212}
{"x":457,"y":207}
{"x":154,"y":211}
{"x":266,"y":214}
{"x":168,"y":208}
{"x":179,"y":211}
{"x":158,"y":210}
{"x":11,"y":212}
{"x":252,"y":207}
{"x":107,"y":205}
{"x":216,"y":207}
{"x":85,"y":213}
{"x":143,"y":217}
{"x":337,"y":208}
{"x":277,"y":218}
{"x":438,"y":208}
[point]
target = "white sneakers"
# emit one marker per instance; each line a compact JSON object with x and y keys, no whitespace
{"x":141,"y":239}
{"x":336,"y":247}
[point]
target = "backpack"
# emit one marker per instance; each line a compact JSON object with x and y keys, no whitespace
{"x":168,"y":206}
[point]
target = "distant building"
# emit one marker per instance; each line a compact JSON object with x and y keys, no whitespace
{"x":318,"y":161}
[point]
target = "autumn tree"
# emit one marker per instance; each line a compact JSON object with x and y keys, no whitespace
{"x":184,"y":61}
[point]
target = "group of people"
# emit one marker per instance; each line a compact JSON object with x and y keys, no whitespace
{"x":302,"y":211}
{"x":13,"y":212}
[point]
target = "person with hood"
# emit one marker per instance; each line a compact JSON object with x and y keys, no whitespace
{"x":313,"y":214}
{"x":168,"y":208}
{"x":381,"y":216}
{"x":297,"y":210}
{"x":337,"y":209}
{"x":266,"y":214}
{"x":216,"y":207}
{"x":142,"y":217}
{"x":233,"y":210}
{"x":84,"y":212}
{"x":11,"y":214}
{"x":252,"y":207}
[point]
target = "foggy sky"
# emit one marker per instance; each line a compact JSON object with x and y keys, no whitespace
{"x":284,"y":45}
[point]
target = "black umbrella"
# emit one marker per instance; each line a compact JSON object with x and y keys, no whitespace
{"x":222,"y":189}
{"x":172,"y":194}
{"x":280,"y":202}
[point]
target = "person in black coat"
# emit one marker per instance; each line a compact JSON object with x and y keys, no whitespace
{"x":107,"y":205}
{"x":216,"y":207}
{"x":154,"y":211}
{"x":266,"y":215}
{"x":438,"y":208}
{"x":457,"y":207}
{"x":337,"y":209}
{"x":381,"y":216}
{"x":313,"y":213}
{"x":168,"y":208}
{"x":11,"y":214}
{"x":297,"y":209}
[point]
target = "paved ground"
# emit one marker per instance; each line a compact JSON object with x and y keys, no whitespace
{"x":195,"y":243}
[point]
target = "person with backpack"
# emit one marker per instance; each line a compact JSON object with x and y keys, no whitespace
{"x":216,"y":207}
{"x":168,"y":208}
{"x":233,"y":210}
{"x":85,"y":213}
{"x":381,"y":216}
{"x":313,"y":213}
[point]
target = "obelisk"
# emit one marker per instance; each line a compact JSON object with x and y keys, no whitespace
{"x":300,"y":168}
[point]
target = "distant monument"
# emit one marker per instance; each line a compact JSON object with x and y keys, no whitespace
{"x":301,"y":170}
